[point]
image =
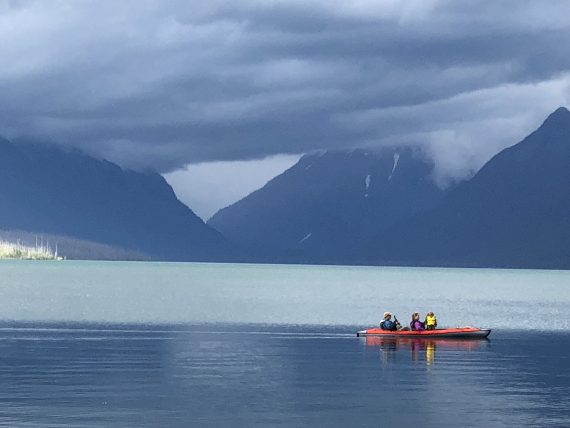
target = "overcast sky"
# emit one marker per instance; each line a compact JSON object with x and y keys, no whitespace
{"x":164,"y":84}
{"x":207,"y":187}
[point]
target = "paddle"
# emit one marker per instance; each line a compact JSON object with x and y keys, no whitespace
{"x":398,"y":325}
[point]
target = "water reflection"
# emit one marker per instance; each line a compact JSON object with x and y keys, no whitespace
{"x":259,"y":376}
{"x":421,"y":349}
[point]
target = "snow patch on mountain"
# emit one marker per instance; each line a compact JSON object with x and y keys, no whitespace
{"x":367,"y":183}
{"x":396,"y":159}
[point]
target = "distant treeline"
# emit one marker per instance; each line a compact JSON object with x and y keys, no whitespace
{"x":16,"y":243}
{"x":10,"y":250}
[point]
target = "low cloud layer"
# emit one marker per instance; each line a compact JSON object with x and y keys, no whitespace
{"x":155,"y":84}
{"x":207,"y":187}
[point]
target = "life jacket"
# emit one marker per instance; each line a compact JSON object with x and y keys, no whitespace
{"x":417,"y":325}
{"x":388,"y":325}
{"x":431,"y":320}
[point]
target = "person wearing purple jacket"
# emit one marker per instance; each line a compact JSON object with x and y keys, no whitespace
{"x":416,"y":324}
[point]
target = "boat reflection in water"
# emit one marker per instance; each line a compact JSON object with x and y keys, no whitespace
{"x":390,"y":346}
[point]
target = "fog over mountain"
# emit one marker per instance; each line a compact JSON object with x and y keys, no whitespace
{"x":385,"y":208}
{"x":353,"y":206}
{"x":161,"y":85}
{"x":515,"y":212}
{"x":208,"y":187}
{"x":191,"y":90}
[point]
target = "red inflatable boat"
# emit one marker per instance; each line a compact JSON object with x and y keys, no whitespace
{"x":452,"y":333}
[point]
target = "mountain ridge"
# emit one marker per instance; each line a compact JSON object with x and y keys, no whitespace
{"x":54,"y":191}
{"x":342,"y":207}
{"x":515,"y":211}
{"x":324,"y":206}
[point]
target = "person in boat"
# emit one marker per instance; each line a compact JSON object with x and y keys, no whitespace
{"x":431,"y":321}
{"x":387,"y":323}
{"x":416,"y":324}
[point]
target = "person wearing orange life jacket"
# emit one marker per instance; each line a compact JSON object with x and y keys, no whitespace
{"x":431,"y":321}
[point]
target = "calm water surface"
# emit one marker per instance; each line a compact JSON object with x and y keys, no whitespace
{"x":137,"y":345}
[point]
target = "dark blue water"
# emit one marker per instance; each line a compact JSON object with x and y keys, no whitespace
{"x":252,"y":375}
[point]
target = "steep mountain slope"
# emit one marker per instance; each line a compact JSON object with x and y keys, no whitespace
{"x":323,"y":207}
{"x":515,"y":212}
{"x":46,"y":190}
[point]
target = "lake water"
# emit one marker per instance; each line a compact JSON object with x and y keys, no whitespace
{"x":173,"y":345}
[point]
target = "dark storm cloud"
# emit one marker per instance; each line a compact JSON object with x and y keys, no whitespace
{"x":163,"y":84}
